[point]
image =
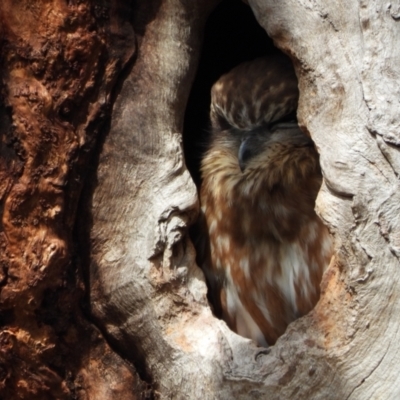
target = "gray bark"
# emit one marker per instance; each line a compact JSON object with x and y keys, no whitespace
{"x":147,"y":292}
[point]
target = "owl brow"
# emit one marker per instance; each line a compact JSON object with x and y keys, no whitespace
{"x":290,"y":117}
{"x":236,"y":131}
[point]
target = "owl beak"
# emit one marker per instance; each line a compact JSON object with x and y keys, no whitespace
{"x":253,"y":143}
{"x":246,"y":152}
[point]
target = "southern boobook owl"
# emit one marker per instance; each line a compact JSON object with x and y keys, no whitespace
{"x":260,"y":178}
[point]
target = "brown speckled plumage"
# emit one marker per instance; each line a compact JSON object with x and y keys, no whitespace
{"x":268,"y":248}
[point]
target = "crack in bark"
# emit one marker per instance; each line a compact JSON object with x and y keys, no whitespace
{"x":380,"y":141}
{"x":371,"y":372}
{"x":374,"y":164}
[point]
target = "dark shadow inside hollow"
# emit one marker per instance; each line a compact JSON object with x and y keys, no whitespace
{"x":232,"y":35}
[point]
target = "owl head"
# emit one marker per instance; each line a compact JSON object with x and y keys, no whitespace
{"x":253,"y":118}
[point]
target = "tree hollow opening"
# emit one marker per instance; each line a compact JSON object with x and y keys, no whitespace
{"x":233,"y":36}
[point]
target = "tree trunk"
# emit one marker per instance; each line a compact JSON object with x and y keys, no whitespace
{"x":101,"y":295}
{"x":59,"y":65}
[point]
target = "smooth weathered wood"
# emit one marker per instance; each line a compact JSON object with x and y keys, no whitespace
{"x":147,"y":291}
{"x":347,"y":63}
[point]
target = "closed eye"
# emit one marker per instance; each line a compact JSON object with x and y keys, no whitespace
{"x":284,"y":125}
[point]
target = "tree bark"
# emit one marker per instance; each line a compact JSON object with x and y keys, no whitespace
{"x":59,"y":65}
{"x":147,"y":328}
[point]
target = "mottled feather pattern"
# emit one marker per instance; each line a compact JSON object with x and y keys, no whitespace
{"x":255,"y":106}
{"x":268,"y":248}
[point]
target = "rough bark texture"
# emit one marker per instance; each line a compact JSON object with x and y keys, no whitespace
{"x":143,"y":263}
{"x":147,"y":295}
{"x":348,"y":63}
{"x":59,"y":65}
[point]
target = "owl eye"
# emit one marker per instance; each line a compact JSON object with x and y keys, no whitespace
{"x":288,"y":121}
{"x":284,"y":125}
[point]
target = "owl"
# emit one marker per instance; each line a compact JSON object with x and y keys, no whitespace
{"x":267,"y":247}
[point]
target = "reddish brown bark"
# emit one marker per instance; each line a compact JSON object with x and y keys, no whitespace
{"x":60,"y":62}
